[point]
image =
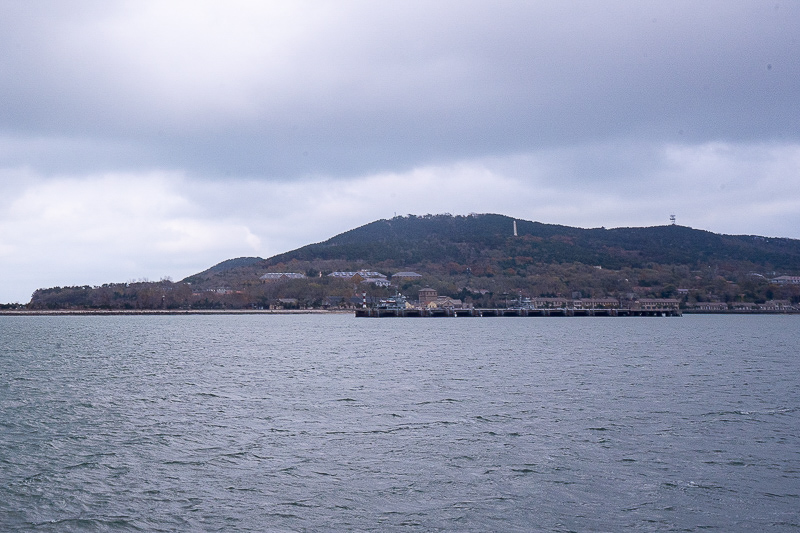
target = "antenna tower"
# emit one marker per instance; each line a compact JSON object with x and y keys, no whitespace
{"x":672,"y":219}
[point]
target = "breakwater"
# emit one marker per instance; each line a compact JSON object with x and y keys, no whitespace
{"x":506,"y":312}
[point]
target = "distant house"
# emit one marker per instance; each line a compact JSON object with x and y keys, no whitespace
{"x":378,"y":282}
{"x":656,"y":304}
{"x":776,"y":305}
{"x":274,"y":276}
{"x":406,"y":275}
{"x":427,"y":295}
{"x":549,"y":303}
{"x":709,"y":306}
{"x":444,"y":302}
{"x":786,"y":280}
{"x":595,"y":303}
{"x":363,"y":274}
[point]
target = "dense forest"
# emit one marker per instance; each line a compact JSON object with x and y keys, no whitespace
{"x":478,"y":259}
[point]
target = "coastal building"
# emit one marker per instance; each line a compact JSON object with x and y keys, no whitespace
{"x":776,"y":305}
{"x":709,"y":306}
{"x":595,"y":303}
{"x":655,"y":304}
{"x":549,"y":303}
{"x":426,"y":296}
{"x":444,"y":302}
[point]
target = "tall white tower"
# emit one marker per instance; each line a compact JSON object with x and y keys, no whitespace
{"x":515,"y":228}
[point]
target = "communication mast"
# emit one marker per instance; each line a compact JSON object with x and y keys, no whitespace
{"x":672,"y":219}
{"x":515,"y":228}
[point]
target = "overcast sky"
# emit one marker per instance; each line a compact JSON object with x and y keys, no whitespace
{"x":145,"y":139}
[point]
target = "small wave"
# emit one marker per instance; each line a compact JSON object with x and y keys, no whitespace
{"x":234,"y":454}
{"x":241,"y":489}
{"x":298,"y":504}
{"x":707,"y":486}
{"x":185,"y":463}
{"x":81,"y":465}
{"x":88,"y":524}
{"x":443,"y":400}
{"x":285,"y":515}
{"x":208,"y":395}
{"x":773,"y":495}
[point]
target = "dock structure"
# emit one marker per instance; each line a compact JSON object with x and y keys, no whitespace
{"x":416,"y":312}
{"x":429,"y":307}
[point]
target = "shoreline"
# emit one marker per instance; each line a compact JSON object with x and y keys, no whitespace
{"x":174,"y":312}
{"x":150,"y":312}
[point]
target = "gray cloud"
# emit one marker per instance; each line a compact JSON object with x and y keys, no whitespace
{"x":361,"y":86}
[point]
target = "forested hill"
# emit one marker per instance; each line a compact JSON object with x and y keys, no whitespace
{"x":477,"y":258}
{"x":483,"y":239}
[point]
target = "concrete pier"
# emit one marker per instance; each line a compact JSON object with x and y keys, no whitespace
{"x":501,"y":312}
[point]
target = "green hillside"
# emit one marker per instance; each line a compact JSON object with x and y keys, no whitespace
{"x":487,"y":239}
{"x":478,"y":258}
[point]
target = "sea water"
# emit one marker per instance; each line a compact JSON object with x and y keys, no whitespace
{"x":333,"y":423}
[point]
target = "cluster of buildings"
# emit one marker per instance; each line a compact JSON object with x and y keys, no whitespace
{"x":772,"y":306}
{"x":369,"y":277}
{"x":429,"y":298}
{"x":275,"y":276}
{"x":786,"y":280}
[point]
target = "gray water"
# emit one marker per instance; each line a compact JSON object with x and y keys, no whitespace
{"x":332,"y":423}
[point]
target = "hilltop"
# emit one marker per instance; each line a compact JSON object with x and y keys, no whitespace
{"x":480,"y":258}
{"x":483,"y":238}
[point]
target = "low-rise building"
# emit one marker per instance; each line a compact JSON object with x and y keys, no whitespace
{"x":596,"y":303}
{"x":786,"y":280}
{"x":363,"y":274}
{"x":656,"y":304}
{"x":444,"y":302}
{"x":426,"y":296}
{"x":406,"y":275}
{"x":708,"y":306}
{"x":549,"y":303}
{"x":776,"y":305}
{"x":378,"y":282}
{"x":274,"y":276}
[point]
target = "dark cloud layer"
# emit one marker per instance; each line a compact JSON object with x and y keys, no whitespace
{"x":366,"y":86}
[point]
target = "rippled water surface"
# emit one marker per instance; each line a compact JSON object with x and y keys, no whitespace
{"x":332,"y":423}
